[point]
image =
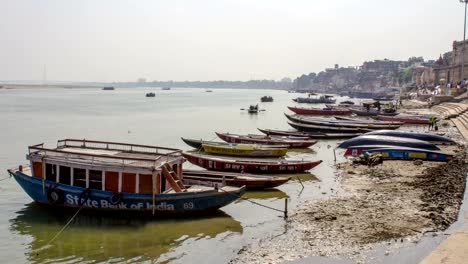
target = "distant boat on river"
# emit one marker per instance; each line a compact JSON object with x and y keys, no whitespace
{"x":108,"y":88}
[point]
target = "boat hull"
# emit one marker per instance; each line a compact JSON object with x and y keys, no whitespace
{"x":306,"y":100}
{"x":250,"y":166}
{"x":326,"y":129}
{"x":250,"y":181}
{"x":347,"y":124}
{"x":366,"y":140}
{"x":313,"y":135}
{"x":406,"y":120}
{"x":312,"y":111}
{"x":371,"y":113}
{"x":421,"y":136}
{"x":244,"y":152}
{"x":165,"y":203}
{"x":265,"y":140}
{"x":402,"y":153}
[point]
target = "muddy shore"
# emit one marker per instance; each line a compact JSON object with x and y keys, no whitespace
{"x":393,"y":202}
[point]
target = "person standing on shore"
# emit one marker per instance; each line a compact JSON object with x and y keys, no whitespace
{"x":432,"y":121}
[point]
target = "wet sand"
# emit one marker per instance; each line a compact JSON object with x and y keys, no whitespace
{"x":396,"y":201}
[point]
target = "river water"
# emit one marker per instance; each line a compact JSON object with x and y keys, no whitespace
{"x":45,"y":115}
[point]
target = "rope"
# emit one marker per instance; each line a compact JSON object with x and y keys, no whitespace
{"x":5,"y":178}
{"x":247,"y":199}
{"x":65,"y":226}
{"x":72,"y":218}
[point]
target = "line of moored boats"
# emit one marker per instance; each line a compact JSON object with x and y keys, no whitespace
{"x":113,"y":176}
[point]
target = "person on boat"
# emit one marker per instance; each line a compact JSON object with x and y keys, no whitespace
{"x":367,"y":107}
{"x":378,"y":106}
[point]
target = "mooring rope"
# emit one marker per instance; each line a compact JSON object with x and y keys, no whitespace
{"x":72,"y":218}
{"x":65,"y":226}
{"x":5,"y":178}
{"x":256,"y":203}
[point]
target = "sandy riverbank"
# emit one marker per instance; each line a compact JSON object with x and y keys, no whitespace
{"x":393,"y":202}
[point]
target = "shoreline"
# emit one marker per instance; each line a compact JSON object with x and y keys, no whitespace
{"x":381,"y":207}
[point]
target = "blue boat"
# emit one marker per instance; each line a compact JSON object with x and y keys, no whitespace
{"x":377,"y":140}
{"x":407,"y":134}
{"x":403,"y":153}
{"x":109,"y":176}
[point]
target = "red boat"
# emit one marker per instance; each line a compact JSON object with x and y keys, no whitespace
{"x":407,"y":119}
{"x":319,"y":111}
{"x":291,"y":142}
{"x":250,"y":165}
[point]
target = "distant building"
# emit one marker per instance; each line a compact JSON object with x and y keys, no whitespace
{"x":448,"y":66}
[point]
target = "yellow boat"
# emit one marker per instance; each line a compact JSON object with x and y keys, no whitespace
{"x":248,"y":150}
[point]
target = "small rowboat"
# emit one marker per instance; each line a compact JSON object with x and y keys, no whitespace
{"x":260,"y":166}
{"x":408,"y":119}
{"x":336,"y":123}
{"x":396,"y":152}
{"x":365,"y":140}
{"x":289,"y":141}
{"x":326,"y":129}
{"x":372,"y":113}
{"x":245,"y":150}
{"x":436,"y":139}
{"x":90,"y":174}
{"x":250,"y":181}
{"x":313,"y":135}
{"x":319,"y":111}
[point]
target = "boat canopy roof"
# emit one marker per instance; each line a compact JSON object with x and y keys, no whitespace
{"x":103,"y":153}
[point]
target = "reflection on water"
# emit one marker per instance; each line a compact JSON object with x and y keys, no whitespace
{"x":92,"y":238}
{"x":265,"y":194}
{"x":303,"y":177}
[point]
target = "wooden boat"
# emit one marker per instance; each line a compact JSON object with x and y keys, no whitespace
{"x":250,"y":181}
{"x":313,"y":135}
{"x":396,"y":152}
{"x":253,"y":109}
{"x":245,"y":150}
{"x":436,"y":139}
{"x":365,"y":140}
{"x":150,"y":95}
{"x":320,"y":100}
{"x":319,"y":111}
{"x":271,"y":166}
{"x":111,"y":176}
{"x":326,"y":129}
{"x":407,"y":119}
{"x":266,"y":99}
{"x":336,"y":123}
{"x":290,"y":141}
{"x":108,"y":88}
{"x":367,"y":121}
{"x":198,"y":143}
{"x":165,"y":88}
{"x":372,"y":113}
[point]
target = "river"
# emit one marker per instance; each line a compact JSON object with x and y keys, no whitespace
{"x":45,"y":115}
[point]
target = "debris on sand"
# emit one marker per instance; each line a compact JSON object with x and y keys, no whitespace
{"x":387,"y":202}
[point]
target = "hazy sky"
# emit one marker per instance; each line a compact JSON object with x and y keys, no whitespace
{"x":121,"y":40}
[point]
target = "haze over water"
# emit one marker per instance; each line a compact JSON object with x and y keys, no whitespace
{"x":46,"y":115}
